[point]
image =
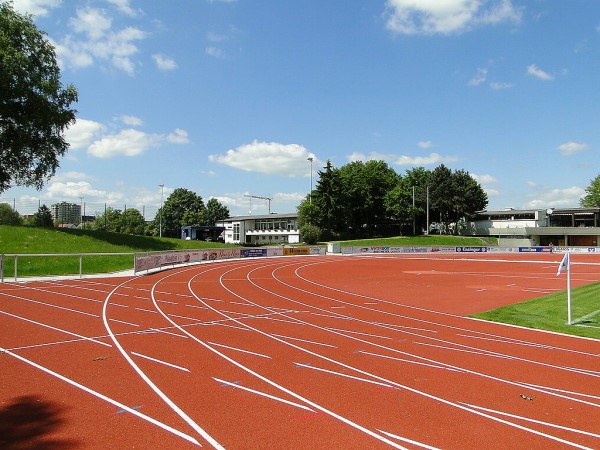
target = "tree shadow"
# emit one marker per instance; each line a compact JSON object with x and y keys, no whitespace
{"x":28,"y":422}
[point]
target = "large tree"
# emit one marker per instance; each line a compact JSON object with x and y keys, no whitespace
{"x":9,"y":216}
{"x":591,"y":199}
{"x":183,"y":207}
{"x":215,"y":212}
{"x":34,"y":105}
{"x":43,"y":217}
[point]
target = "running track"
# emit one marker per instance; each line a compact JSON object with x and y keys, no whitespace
{"x":298,"y":352}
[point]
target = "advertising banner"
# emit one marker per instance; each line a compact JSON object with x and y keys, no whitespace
{"x":253,"y":252}
{"x":471,"y":249}
{"x":294,"y":251}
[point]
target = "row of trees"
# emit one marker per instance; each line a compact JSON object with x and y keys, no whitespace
{"x":182,"y":208}
{"x":367,"y":199}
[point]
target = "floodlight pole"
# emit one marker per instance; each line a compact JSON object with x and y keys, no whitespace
{"x":162,"y":187}
{"x":310,"y":158}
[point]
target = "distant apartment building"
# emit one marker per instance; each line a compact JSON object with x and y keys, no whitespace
{"x":66,"y":213}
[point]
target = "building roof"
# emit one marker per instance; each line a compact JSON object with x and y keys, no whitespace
{"x":263,"y":216}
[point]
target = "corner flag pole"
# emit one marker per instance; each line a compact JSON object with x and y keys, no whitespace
{"x":566,"y":264}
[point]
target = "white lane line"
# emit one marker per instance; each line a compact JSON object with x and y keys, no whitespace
{"x":123,"y":322}
{"x":62,"y":294}
{"x":56,"y":329}
{"x":145,"y":310}
{"x":263,"y":394}
{"x":434,"y":366}
{"x":304,"y":340}
{"x":160,"y":361}
{"x":145,"y":377}
{"x":547,"y":388}
{"x":365,"y":380}
{"x":158,"y":330}
{"x":539,"y":422}
{"x":103,"y":397}
{"x":49,"y":304}
{"x":408,"y":441}
{"x":240,"y":350}
{"x":404,"y":327}
{"x":476,"y":352}
{"x":119,"y":305}
{"x":196,"y":306}
{"x":337,"y":330}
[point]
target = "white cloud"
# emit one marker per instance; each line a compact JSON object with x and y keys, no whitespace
{"x":164,"y":62}
{"x":36,"y":7}
{"x":132,"y":142}
{"x":556,"y":198}
{"x":425,"y":144}
{"x":267,"y":157}
{"x":484,"y":179}
{"x":124,"y":7}
{"x":82,"y":133}
{"x":447,"y":16}
{"x":214,"y":52}
{"x":479,"y":77}
{"x":571,"y":148}
{"x":432,"y":158}
{"x":96,"y":40}
{"x":131,"y":121}
{"x":536,"y":72}
{"x":497,"y":86}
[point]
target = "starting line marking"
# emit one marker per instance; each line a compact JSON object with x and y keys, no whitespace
{"x":160,"y":362}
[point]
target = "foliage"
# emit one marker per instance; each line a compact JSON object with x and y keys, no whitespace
{"x":43,"y":217}
{"x":591,"y":199}
{"x":183,"y":207}
{"x":310,"y":234}
{"x":34,"y":106}
{"x":9,"y":216}
{"x":113,"y":220}
{"x":215,"y":212}
{"x":371,"y":199}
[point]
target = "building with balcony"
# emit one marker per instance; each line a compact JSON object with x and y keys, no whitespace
{"x":262,"y":229}
{"x":66,"y":213}
{"x":554,"y":226}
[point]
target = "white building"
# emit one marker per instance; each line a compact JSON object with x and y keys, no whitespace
{"x":262,"y":229}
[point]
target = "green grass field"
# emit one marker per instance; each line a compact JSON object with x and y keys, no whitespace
{"x":550,"y":312}
{"x":31,"y":240}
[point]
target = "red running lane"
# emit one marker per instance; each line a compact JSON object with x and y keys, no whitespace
{"x":336,"y":352}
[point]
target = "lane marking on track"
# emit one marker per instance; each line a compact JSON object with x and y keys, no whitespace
{"x":239,"y":350}
{"x":49,"y":304}
{"x":160,"y":361}
{"x":119,"y":305}
{"x":339,"y":374}
{"x":236,"y":385}
{"x":62,"y":294}
{"x":158,"y":330}
{"x":409,"y":441}
{"x":145,"y":310}
{"x":404,"y":327}
{"x":79,"y":336}
{"x":433,"y":366}
{"x":337,"y":330}
{"x":539,"y":422}
{"x":461,"y":350}
{"x":547,"y":388}
{"x":125,"y":323}
{"x":104,"y":397}
{"x":304,"y":340}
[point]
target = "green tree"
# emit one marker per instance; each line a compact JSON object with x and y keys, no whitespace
{"x":109,"y":220}
{"x":215,"y":212}
{"x":181,"y":201}
{"x":468,"y":197}
{"x":591,"y":199}
{"x":43,"y":217}
{"x":34,"y":106}
{"x":310,"y":234}
{"x":132,"y":222}
{"x":9,"y":216}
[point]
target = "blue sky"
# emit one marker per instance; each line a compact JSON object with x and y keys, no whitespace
{"x":229,"y":98}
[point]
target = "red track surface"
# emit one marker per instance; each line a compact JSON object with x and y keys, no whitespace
{"x":327,"y":352}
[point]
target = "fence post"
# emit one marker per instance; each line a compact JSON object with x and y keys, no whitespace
{"x":80,"y":266}
{"x":1,"y":268}
{"x":16,"y":264}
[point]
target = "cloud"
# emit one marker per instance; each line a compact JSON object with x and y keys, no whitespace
{"x":132,"y":142}
{"x":556,"y":198}
{"x":214,"y":52}
{"x":270,"y":158}
{"x":432,"y":158}
{"x":572,"y":148}
{"x":479,"y":77}
{"x":124,"y":7}
{"x":425,"y":144}
{"x":497,"y":86}
{"x":447,"y":16}
{"x":164,"y":62}
{"x":536,"y":72}
{"x":82,"y":133}
{"x":96,"y":40}
{"x":132,"y":121}
{"x":38,"y":8}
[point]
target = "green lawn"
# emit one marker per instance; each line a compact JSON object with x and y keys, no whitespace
{"x":32,"y":240}
{"x":550,"y":312}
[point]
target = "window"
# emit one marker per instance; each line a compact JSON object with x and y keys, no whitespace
{"x":236,"y":231}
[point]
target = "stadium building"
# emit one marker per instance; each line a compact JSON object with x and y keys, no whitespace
{"x":262,"y":229}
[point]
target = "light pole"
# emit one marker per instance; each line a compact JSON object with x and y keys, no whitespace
{"x":81,"y":212}
{"x":310,"y":158}
{"x":162,"y":187}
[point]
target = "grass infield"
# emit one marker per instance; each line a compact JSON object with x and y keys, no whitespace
{"x":550,"y":312}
